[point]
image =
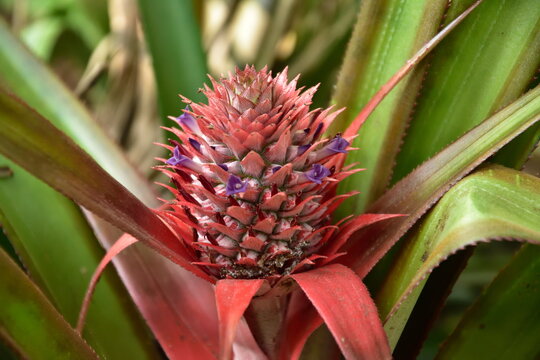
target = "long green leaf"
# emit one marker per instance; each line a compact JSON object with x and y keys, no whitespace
{"x":30,"y":324}
{"x":40,"y":221}
{"x":482,"y":66}
{"x":156,"y":285}
{"x":464,"y":84}
{"x":386,"y":35}
{"x":37,"y":86}
{"x":494,"y":203}
{"x":39,"y":147}
{"x":505,"y":321}
{"x":174,"y":39}
{"x":415,"y":194}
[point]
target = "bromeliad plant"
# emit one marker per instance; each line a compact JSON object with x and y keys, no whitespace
{"x":255,"y":181}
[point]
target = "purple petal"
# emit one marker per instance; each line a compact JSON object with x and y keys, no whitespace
{"x":187,"y":120}
{"x":224,"y":167}
{"x":195,"y":144}
{"x":317,"y":173}
{"x":317,"y":131}
{"x":235,"y":185}
{"x":302,"y":149}
{"x":177,"y":158}
{"x":275,"y":168}
{"x":338,"y":145}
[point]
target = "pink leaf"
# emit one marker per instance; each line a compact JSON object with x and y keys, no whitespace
{"x":346,"y":307}
{"x":122,"y":243}
{"x":357,"y":223}
{"x":178,"y":306}
{"x":232,"y":299}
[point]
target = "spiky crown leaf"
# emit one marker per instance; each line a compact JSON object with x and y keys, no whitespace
{"x":254,"y":184}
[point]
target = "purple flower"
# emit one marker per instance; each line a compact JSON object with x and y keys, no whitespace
{"x":317,"y":173}
{"x":338,"y":145}
{"x":224,"y":167}
{"x":334,"y":146}
{"x":187,"y":120}
{"x":195,"y":144}
{"x":235,"y":185}
{"x":318,"y":131}
{"x":177,"y":158}
{"x":302,"y":149}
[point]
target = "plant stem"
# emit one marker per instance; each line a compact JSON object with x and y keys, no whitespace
{"x":265,"y":317}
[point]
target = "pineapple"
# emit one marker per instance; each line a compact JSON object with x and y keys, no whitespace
{"x":254,"y":181}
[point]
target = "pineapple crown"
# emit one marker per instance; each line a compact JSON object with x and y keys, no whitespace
{"x":254,"y":182}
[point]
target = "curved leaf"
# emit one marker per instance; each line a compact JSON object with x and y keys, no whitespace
{"x":484,"y":65}
{"x":301,"y":321}
{"x":494,"y":203}
{"x":27,"y":77}
{"x":386,"y":35}
{"x":232,"y":299}
{"x":58,"y":249}
{"x":178,"y":306}
{"x":30,"y":324}
{"x":419,"y":190}
{"x":159,"y":288}
{"x":505,"y":321}
{"x":122,"y":243}
{"x":346,"y":307}
{"x":45,"y":151}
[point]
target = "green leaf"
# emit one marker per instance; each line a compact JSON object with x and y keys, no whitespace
{"x":484,"y":65}
{"x":505,"y":321}
{"x":42,"y":90}
{"x":386,"y":35}
{"x":173,"y":36}
{"x":41,"y":36}
{"x":493,"y":203}
{"x":417,"y":192}
{"x":156,"y":285}
{"x":42,"y":149}
{"x":30,"y":324}
{"x":59,"y":250}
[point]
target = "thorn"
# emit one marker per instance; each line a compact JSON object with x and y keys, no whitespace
{"x":206,"y":184}
{"x":5,"y":172}
{"x":219,"y":219}
{"x":298,"y":198}
{"x":233,"y":201}
{"x":187,"y":196}
{"x":212,"y":239}
{"x":317,"y":131}
{"x":333,"y":170}
{"x":190,"y":216}
{"x":183,"y":175}
{"x":260,"y":214}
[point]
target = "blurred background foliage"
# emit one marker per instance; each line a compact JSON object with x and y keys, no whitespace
{"x":97,"y":47}
{"x":99,"y":50}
